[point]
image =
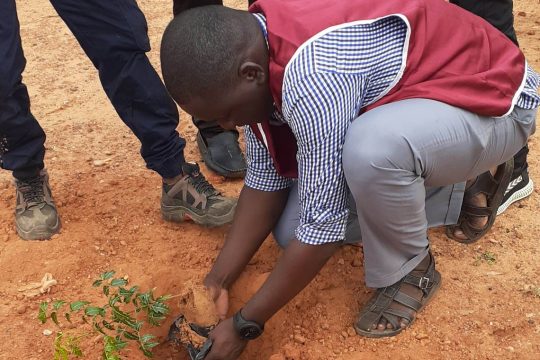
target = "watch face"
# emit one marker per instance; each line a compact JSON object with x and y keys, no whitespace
{"x":250,"y":332}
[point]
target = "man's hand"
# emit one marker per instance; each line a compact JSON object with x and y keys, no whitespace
{"x":219,"y":295}
{"x":227,"y":344}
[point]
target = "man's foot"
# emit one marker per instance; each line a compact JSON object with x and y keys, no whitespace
{"x":192,"y":197}
{"x":519,"y":188}
{"x":394,"y":308}
{"x":222,"y":154}
{"x":482,"y":198}
{"x":36,"y":216}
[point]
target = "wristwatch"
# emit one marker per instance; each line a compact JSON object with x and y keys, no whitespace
{"x":247,"y":329}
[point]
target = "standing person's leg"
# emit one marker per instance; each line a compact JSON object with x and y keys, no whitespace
{"x":499,"y":14}
{"x":219,"y":147}
{"x":114,"y":36}
{"x":426,"y":143}
{"x":22,"y":138}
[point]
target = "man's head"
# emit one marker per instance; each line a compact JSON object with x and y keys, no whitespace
{"x":215,"y":65}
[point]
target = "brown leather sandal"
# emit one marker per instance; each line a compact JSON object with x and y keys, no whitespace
{"x":493,"y":187}
{"x":378,"y":307}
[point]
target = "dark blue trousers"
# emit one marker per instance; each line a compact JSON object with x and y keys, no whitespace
{"x":113,"y":33}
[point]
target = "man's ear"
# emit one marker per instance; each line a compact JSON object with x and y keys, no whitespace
{"x":252,"y":71}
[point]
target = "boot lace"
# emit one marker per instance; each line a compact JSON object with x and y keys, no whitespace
{"x":32,"y":190}
{"x":202,"y":185}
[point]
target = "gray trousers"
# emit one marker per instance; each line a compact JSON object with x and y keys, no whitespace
{"x":406,"y":164}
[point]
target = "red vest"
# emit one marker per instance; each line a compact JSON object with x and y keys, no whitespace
{"x":453,"y":56}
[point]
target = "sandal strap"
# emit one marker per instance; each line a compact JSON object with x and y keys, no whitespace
{"x":379,"y":305}
{"x":493,"y":187}
{"x":476,"y":211}
{"x":485,"y":183}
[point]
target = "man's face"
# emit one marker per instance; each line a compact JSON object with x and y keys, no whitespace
{"x":244,"y":103}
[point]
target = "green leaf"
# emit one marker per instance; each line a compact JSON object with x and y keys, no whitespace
{"x":119,"y":282}
{"x":54,"y":318}
{"x":146,"y":338}
{"x":120,"y":344}
{"x":78,"y":305}
{"x":60,"y":352}
{"x":130,"y":336}
{"x":67,"y":316}
{"x":106,"y":290}
{"x":145,"y":298}
{"x":107,"y":275}
{"x":127,"y":295}
{"x":73,"y":346}
{"x":58,"y":304}
{"x":107,"y":325}
{"x":42,"y":315}
{"x":99,"y":328}
{"x":94,"y":311}
{"x":159,"y":308}
{"x":146,"y":352}
{"x":97,"y":283}
{"x":126,"y":319}
{"x":114,"y":299}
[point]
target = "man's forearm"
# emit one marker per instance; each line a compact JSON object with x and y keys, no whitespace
{"x":257,"y":213}
{"x":298,"y":265}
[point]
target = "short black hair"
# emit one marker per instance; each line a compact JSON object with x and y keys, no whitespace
{"x":199,"y":50}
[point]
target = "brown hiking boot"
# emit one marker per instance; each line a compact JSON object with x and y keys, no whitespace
{"x":194,"y":198}
{"x":36,"y":216}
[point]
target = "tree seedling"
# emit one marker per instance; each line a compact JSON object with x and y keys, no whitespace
{"x":117,"y":322}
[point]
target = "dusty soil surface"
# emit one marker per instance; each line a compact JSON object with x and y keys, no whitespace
{"x":111,"y":220}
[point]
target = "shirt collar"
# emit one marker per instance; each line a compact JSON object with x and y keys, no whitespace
{"x":262,"y":23}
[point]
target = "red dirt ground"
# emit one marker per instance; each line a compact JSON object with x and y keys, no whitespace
{"x":111,"y":220}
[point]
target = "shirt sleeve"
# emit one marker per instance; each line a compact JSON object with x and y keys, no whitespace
{"x":319,"y":110}
{"x":261,"y":173}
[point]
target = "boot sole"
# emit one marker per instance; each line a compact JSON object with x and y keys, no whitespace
{"x":181,"y":214}
{"x":39,"y":233}
{"x":518,"y":195}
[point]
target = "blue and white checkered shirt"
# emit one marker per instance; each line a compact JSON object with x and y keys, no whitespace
{"x":325,"y":86}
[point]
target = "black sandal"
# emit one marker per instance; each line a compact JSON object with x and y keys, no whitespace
{"x":494,"y":188}
{"x":378,"y":307}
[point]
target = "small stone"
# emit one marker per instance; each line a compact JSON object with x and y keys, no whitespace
{"x":99,"y":163}
{"x":47,"y":332}
{"x":123,"y":243}
{"x":351,"y":331}
{"x":20,"y":297}
{"x":21,"y":309}
{"x":421,"y":336}
{"x":345,"y":334}
{"x":522,"y":13}
{"x":531,"y":32}
{"x":341,"y":261}
{"x":299,"y":339}
{"x":357,"y":262}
